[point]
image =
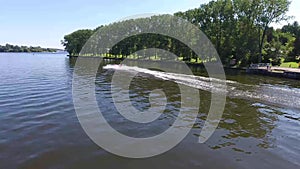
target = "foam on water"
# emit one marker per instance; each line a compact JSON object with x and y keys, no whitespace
{"x":282,"y":95}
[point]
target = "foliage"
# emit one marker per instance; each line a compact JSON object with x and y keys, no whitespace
{"x":74,"y":42}
{"x":239,"y":29}
{"x":293,"y":29}
{"x":15,"y":48}
{"x":278,"y":46}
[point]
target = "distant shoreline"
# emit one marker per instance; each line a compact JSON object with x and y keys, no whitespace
{"x":59,"y":51}
{"x":25,"y":49}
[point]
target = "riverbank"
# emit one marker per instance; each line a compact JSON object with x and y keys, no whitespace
{"x":193,"y":63}
{"x":292,"y":73}
{"x":281,"y":72}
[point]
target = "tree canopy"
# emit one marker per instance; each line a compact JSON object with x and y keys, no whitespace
{"x":239,"y":29}
{"x":15,"y":48}
{"x":74,"y":42}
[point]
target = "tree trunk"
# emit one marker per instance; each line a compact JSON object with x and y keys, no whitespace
{"x":262,"y":43}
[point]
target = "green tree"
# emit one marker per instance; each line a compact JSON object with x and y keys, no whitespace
{"x":278,"y":46}
{"x":270,"y":11}
{"x":74,"y":42}
{"x":294,"y":29}
{"x":239,"y":29}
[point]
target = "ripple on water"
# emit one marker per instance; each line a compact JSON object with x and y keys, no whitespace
{"x":39,"y":128}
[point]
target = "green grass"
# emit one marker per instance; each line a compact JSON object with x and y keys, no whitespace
{"x":153,"y":58}
{"x":290,"y":65}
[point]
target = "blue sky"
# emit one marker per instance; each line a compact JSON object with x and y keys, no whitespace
{"x":44,"y":23}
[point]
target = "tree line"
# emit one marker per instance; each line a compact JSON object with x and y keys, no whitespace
{"x":239,"y":29}
{"x":16,"y":48}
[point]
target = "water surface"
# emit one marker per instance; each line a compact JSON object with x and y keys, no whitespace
{"x":260,"y":127}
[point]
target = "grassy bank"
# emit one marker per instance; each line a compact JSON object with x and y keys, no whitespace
{"x":290,"y":65}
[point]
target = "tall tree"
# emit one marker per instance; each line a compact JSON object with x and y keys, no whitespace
{"x":278,"y":45}
{"x":294,"y":29}
{"x":270,"y":11}
{"x":74,"y":42}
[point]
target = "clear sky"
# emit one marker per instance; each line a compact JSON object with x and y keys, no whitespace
{"x":45,"y":22}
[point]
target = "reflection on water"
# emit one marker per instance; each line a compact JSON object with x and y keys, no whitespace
{"x":260,"y":127}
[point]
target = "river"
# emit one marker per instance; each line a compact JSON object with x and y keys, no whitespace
{"x":260,"y":127}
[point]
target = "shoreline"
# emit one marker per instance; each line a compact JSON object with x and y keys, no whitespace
{"x":290,"y":73}
{"x":188,"y":63}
